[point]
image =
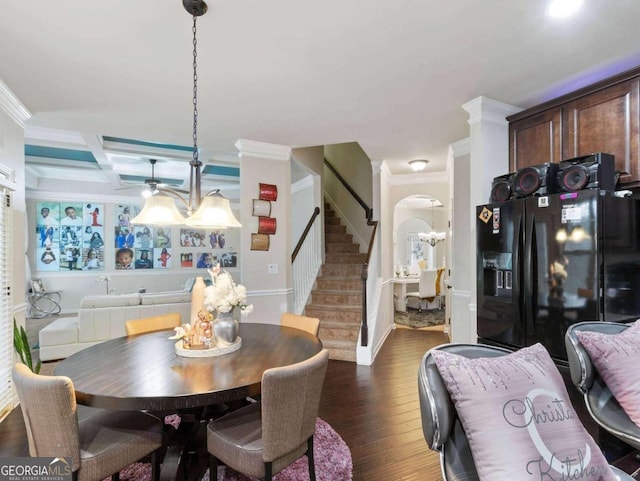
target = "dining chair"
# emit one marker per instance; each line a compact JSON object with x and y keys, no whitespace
{"x":100,"y":442}
{"x":441,"y":421}
{"x":426,"y":294}
{"x":154,"y":323}
{"x":598,"y":398}
{"x":263,"y":438}
{"x":309,"y":324}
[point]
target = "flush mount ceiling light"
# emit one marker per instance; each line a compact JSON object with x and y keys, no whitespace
{"x":563,"y":8}
{"x":418,"y":164}
{"x":211,"y":211}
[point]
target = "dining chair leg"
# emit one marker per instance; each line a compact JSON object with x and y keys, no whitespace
{"x":268,"y":468}
{"x":213,"y":468}
{"x":312,"y":466}
{"x":155,"y":466}
{"x":115,"y":476}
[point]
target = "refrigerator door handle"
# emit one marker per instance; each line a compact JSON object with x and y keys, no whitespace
{"x":528,"y":277}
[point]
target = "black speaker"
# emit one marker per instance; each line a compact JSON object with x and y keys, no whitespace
{"x":535,"y":180}
{"x":502,"y":188}
{"x":595,"y":171}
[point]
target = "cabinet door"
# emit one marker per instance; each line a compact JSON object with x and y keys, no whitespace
{"x":605,"y":121}
{"x":535,"y":140}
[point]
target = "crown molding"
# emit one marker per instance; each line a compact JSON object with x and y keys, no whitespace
{"x":419,"y":178}
{"x":12,"y":106}
{"x":461,"y":147}
{"x":486,"y":109}
{"x":252,"y":148}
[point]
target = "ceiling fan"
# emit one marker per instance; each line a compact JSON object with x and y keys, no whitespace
{"x":154,"y":185}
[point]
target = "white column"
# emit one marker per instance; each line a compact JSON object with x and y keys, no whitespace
{"x":488,"y":158}
{"x":266,"y":274}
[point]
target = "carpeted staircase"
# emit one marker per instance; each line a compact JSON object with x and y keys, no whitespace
{"x":337,"y":297}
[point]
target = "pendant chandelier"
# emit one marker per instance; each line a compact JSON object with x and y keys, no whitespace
{"x":433,"y":237}
{"x":209,"y":211}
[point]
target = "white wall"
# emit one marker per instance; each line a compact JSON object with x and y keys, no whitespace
{"x":12,"y":118}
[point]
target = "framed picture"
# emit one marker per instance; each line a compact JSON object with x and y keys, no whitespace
{"x":36,"y":285}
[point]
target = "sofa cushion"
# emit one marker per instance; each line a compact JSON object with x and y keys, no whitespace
{"x":170,"y":297}
{"x":110,"y":300}
{"x":61,"y":331}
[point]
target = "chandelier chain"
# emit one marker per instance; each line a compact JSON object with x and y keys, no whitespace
{"x":195,"y":94}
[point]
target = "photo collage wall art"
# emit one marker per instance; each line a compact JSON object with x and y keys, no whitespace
{"x":70,"y":236}
{"x":139,"y":246}
{"x":206,"y":248}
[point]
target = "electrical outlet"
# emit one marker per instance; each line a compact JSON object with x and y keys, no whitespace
{"x":272,"y":268}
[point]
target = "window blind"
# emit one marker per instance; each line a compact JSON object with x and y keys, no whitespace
{"x":8,"y":398}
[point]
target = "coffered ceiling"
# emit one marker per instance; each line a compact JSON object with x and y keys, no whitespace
{"x":113,"y":80}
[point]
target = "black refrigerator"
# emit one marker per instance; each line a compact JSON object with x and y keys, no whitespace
{"x":547,"y":262}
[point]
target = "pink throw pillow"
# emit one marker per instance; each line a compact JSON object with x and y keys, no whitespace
{"x":616,"y":357}
{"x":518,"y":418}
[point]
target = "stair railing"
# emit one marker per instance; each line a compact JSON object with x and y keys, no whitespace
{"x":306,"y":261}
{"x":364,"y":275}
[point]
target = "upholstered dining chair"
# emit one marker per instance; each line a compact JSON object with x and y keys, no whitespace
{"x":154,"y":323}
{"x":427,"y":294}
{"x":309,"y":324}
{"x":99,"y":442}
{"x":265,"y":437}
{"x":601,"y":404}
{"x":441,"y":425}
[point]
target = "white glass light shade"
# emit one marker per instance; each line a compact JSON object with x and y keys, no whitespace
{"x":159,"y":209}
{"x":214,"y":212}
{"x":418,"y":165}
{"x":563,"y":8}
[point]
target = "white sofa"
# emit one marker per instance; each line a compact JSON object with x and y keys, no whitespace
{"x":101,"y":318}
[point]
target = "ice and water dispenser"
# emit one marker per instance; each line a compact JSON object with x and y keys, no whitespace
{"x":498,"y":274}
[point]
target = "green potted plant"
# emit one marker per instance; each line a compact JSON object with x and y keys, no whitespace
{"x":21,"y":345}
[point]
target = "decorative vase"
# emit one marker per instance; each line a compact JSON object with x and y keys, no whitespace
{"x":197,"y":299}
{"x":225,"y":328}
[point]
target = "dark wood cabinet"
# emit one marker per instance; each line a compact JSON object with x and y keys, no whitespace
{"x":535,"y":140}
{"x":605,"y":121}
{"x":603,"y":117}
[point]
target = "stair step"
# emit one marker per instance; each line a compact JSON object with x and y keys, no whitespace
{"x":342,"y":248}
{"x":341,"y":270}
{"x":337,"y":333}
{"x":345,"y":258}
{"x":335,"y":229}
{"x":331,"y":238}
{"x":336,"y":298}
{"x":341,"y":350}
{"x":331,"y":220}
{"x":348,"y":284}
{"x":334,"y":313}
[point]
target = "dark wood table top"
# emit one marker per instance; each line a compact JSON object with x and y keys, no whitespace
{"x":143,"y":372}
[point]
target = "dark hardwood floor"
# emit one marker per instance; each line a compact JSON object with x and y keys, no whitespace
{"x":374,"y":408}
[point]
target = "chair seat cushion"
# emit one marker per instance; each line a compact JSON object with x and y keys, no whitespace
{"x":518,"y":418}
{"x":111,"y":440}
{"x":243,"y":429}
{"x":616,"y":358}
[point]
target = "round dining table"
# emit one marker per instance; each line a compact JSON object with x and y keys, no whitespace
{"x":143,"y":372}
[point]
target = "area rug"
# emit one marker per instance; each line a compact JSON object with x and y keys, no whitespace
{"x":417,"y":319}
{"x":332,"y":458}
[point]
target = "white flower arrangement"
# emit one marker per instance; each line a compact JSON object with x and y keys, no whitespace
{"x":224,"y":294}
